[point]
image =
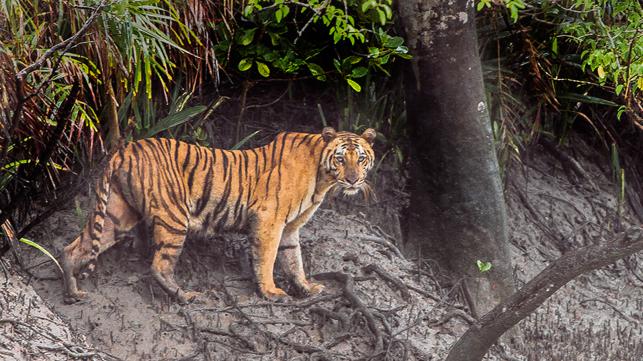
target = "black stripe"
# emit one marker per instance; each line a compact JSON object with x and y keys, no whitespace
{"x":222,"y":220}
{"x":312,"y":149}
{"x":188,"y":155}
{"x":287,"y":247}
{"x":264,"y":156}
{"x":279,"y":163}
{"x":272,"y":155}
{"x":245,"y":161}
{"x":256,"y":163}
{"x":205,"y":196}
{"x":225,"y":165}
{"x":171,"y":229}
{"x":304,"y":139}
{"x":301,"y":203}
{"x":193,"y":170}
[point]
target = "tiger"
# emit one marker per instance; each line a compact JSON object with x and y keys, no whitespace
{"x":174,"y":188}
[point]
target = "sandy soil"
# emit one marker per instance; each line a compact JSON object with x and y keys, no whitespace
{"x":129,"y":315}
{"x":596,"y":317}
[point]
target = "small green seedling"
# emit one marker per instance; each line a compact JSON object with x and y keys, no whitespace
{"x":483,"y":266}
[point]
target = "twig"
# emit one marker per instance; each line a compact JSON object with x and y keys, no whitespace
{"x":568,"y":162}
{"x":66,"y":44}
{"x":616,"y":309}
{"x":391,"y":279}
{"x":341,"y":317}
{"x":452,"y":314}
{"x":358,"y":304}
{"x":382,"y":241}
{"x":271,"y":103}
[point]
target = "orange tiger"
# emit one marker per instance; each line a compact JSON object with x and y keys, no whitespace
{"x":174,"y":188}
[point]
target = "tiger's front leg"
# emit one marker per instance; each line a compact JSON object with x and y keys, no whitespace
{"x":292,"y":264}
{"x":265,"y":243}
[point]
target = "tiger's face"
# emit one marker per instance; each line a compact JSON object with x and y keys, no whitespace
{"x":348,"y":158}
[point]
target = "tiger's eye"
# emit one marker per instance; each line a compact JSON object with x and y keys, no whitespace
{"x":340,"y":159}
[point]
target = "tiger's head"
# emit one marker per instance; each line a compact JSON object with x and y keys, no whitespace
{"x":348,"y":157}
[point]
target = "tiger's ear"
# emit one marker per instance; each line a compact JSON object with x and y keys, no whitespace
{"x":329,"y":134}
{"x":369,"y":135}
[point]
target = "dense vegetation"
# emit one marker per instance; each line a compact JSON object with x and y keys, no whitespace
{"x":549,"y":65}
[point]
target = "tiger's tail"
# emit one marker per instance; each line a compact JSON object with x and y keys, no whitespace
{"x":84,"y":250}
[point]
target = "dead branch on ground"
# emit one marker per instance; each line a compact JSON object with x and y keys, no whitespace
{"x":475,"y":343}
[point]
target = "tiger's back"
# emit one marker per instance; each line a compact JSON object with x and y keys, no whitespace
{"x":174,"y":188}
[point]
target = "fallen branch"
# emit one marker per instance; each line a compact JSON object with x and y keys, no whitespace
{"x":475,"y":343}
{"x":388,"y":277}
{"x":356,"y":302}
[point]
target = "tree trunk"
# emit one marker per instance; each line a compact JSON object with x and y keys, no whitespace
{"x":457,"y":212}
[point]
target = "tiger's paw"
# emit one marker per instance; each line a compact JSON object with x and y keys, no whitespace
{"x":275,"y":294}
{"x":190,"y":297}
{"x":71,"y":298}
{"x":313,"y":288}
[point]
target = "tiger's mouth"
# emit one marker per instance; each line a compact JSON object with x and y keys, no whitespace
{"x":351,"y":190}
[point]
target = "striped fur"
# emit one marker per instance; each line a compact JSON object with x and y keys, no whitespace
{"x":174,"y":188}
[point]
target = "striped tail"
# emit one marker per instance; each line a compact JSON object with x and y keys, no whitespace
{"x":94,"y":226}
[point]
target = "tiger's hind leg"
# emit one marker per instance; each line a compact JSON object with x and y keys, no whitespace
{"x":168,"y":242}
{"x":98,"y":235}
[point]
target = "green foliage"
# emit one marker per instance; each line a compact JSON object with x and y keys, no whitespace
{"x":483,"y":266}
{"x":611,"y":36}
{"x":343,"y":40}
{"x":577,"y":58}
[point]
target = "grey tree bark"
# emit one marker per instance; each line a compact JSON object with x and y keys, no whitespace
{"x":457,"y":213}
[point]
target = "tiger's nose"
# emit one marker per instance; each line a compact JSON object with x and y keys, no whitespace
{"x":352,"y":178}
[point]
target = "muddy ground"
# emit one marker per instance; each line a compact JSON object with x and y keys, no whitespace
{"x":595,"y":317}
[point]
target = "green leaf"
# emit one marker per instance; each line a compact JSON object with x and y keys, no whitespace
{"x":263,"y":69}
{"x":359,"y":72}
{"x":388,"y":11}
{"x":483,"y":266}
{"x":316,"y":71}
{"x":245,"y":64}
{"x":514,"y":13}
{"x":285,"y":10}
{"x":367,"y":5}
{"x":274,"y":38}
{"x":588,"y":99}
{"x":337,"y":65}
{"x":278,"y":15}
{"x":247,"y":37}
{"x":382,"y":16}
{"x":41,"y":249}
{"x":245,"y":140}
{"x":620,"y":111}
{"x":353,"y":59}
{"x":619,"y":89}
{"x":353,"y":84}
{"x":554,"y":46}
{"x":393,"y":42}
{"x":173,"y":120}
